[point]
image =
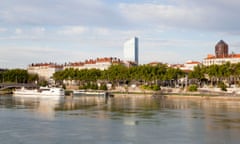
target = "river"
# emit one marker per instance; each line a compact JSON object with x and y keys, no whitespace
{"x":118,"y":120}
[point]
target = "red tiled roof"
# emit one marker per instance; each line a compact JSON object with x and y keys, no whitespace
{"x":193,"y":62}
{"x":228,"y":56}
{"x":90,"y":61}
{"x":52,"y":65}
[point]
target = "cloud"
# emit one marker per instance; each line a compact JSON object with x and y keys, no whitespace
{"x":57,"y":31}
{"x":18,"y":31}
{"x":20,"y":56}
{"x":210,"y":15}
{"x":72,"y":30}
{"x":38,"y":30}
{"x":215,"y":15}
{"x":59,"y":13}
{"x":3,"y":30}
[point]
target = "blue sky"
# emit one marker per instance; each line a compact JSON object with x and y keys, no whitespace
{"x":169,"y":31}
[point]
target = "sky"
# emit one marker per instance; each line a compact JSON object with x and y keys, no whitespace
{"x":169,"y":31}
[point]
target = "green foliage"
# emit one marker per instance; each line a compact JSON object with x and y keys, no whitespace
{"x":43,"y":83}
{"x":155,"y":87}
{"x":144,"y":87}
{"x":94,"y":86}
{"x":173,"y":74}
{"x":64,"y":86}
{"x":151,"y":87}
{"x":192,"y":88}
{"x":119,"y":73}
{"x":197,"y":73}
{"x":103,"y":87}
{"x":17,"y":76}
{"x":216,"y":74}
{"x":222,"y":86}
{"x":89,"y":85}
{"x":146,"y":74}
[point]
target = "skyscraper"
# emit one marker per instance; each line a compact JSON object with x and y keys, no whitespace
{"x":130,"y":50}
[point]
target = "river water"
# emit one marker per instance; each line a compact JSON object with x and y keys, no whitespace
{"x":119,"y":120}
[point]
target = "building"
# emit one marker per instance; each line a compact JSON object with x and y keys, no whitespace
{"x":99,"y":63}
{"x":221,"y":49}
{"x":44,"y":70}
{"x":130,"y":50}
{"x":189,"y":65}
{"x":221,"y":55}
{"x":186,"y":67}
{"x":155,"y":63}
{"x":213,"y":60}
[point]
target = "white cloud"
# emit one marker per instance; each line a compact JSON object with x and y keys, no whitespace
{"x":38,"y":30}
{"x":18,"y":31}
{"x":163,"y":15}
{"x":72,"y":30}
{"x":20,"y":56}
{"x":3,"y":30}
{"x":209,"y":15}
{"x":77,"y":29}
{"x":220,"y":15}
{"x":60,"y":13}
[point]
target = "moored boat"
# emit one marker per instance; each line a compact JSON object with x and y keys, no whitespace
{"x":91,"y":93}
{"x":84,"y":92}
{"x":41,"y":92}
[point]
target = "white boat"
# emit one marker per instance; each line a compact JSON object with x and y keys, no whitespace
{"x":41,"y":92}
{"x":93,"y":93}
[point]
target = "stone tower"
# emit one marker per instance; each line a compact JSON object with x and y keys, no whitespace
{"x":221,"y":49}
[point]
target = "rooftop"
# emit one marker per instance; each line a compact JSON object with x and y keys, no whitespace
{"x":228,"y":56}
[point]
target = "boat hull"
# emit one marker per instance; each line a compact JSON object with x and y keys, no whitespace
{"x":50,"y":92}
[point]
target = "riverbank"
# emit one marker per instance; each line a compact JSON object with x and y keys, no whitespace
{"x":195,"y":96}
{"x":5,"y":92}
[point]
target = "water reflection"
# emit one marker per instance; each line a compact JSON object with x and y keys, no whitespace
{"x":42,"y":107}
{"x":126,"y":119}
{"x":128,"y":106}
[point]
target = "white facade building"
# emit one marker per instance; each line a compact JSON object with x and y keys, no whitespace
{"x":99,"y":63}
{"x":44,"y":70}
{"x":130,"y":50}
{"x":221,"y":55}
{"x":213,"y":60}
{"x":189,"y":65}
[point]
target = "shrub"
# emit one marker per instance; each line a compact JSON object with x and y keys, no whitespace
{"x":152,"y":87}
{"x":192,"y":88}
{"x":155,"y":87}
{"x":94,"y":86}
{"x":103,"y":87}
{"x":222,"y":86}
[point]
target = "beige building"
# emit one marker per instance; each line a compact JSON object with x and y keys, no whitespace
{"x":221,"y":55}
{"x":187,"y":67}
{"x":44,"y":70}
{"x":211,"y":60}
{"x":99,"y":63}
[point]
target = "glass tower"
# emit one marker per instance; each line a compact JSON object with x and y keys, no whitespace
{"x":130,"y":50}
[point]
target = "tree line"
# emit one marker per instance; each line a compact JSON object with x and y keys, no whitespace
{"x":160,"y":75}
{"x":119,"y":74}
{"x":17,"y":76}
{"x":216,"y":74}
